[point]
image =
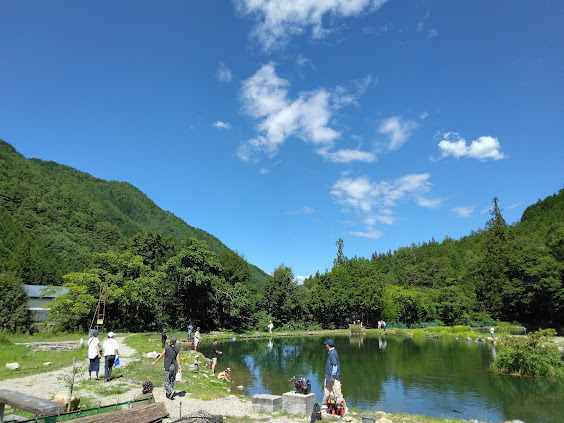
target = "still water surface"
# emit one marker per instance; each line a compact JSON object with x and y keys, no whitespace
{"x":432,"y":377}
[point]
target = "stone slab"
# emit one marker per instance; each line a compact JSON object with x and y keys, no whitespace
{"x":267,"y":402}
{"x":301,"y":404}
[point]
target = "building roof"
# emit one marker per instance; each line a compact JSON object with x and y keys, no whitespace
{"x":44,"y":291}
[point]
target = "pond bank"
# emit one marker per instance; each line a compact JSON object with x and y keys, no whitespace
{"x":235,"y":408}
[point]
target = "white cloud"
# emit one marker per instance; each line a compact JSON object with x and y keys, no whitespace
{"x":423,"y":115}
{"x":223,"y":73}
{"x":222,"y":125}
{"x":377,"y":30}
{"x":265,"y":97}
{"x":483,"y":148}
{"x":374,"y":201}
{"x":347,"y":156}
{"x":300,"y":279}
{"x":279,"y":20}
{"x":303,"y":210}
{"x":373,"y":234}
{"x":464,"y":211}
{"x":398,"y":130}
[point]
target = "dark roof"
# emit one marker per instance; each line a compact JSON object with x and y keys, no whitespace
{"x":44,"y":291}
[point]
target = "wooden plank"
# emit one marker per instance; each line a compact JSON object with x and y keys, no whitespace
{"x":149,"y":413}
{"x":37,"y":406}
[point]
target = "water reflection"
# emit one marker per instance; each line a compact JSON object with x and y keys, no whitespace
{"x":432,"y":377}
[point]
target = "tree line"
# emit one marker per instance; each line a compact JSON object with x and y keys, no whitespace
{"x":510,"y":273}
{"x":61,"y":226}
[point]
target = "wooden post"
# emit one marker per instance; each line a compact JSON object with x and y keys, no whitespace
{"x":72,"y":385}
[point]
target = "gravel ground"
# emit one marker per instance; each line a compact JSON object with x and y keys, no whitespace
{"x":47,"y":385}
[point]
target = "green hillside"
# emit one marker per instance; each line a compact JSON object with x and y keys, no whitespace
{"x":53,"y":218}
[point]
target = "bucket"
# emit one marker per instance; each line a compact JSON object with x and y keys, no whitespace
{"x":368,"y":418}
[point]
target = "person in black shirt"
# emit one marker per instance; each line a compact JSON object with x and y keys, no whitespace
{"x":171,"y":356}
{"x":163,"y":337}
{"x":214,"y":353}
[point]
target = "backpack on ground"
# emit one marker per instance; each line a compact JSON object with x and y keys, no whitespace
{"x":316,"y":413}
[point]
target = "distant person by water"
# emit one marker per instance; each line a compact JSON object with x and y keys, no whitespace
{"x":332,"y":374}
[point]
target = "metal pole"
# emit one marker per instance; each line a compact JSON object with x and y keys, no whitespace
{"x":72,"y":385}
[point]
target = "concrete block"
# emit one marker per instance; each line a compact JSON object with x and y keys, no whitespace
{"x":267,"y":402}
{"x":301,"y":404}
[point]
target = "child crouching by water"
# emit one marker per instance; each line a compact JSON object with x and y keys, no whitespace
{"x":224,"y":375}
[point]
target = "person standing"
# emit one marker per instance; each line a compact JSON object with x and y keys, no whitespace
{"x":492,"y":331}
{"x":94,"y":354}
{"x":110,"y":354}
{"x":332,"y":374}
{"x":163,"y":338}
{"x":270,"y":326}
{"x":197,"y":339}
{"x":190,"y":327}
{"x":214,"y":353}
{"x":171,"y":356}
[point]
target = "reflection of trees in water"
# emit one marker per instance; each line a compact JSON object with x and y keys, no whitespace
{"x":387,"y":372}
{"x":530,"y":399}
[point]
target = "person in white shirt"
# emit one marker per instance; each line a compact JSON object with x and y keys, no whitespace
{"x":110,"y":354}
{"x":197,"y":339}
{"x":94,"y":354}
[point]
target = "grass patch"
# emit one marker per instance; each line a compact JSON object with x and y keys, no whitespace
{"x":31,"y":361}
{"x":199,"y":385}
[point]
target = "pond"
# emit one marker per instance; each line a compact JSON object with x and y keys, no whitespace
{"x":432,"y":377}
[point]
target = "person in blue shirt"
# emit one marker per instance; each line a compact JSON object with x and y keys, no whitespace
{"x":332,"y":374}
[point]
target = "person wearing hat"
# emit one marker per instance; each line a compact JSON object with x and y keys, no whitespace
{"x":171,"y":356}
{"x":94,"y":354}
{"x":110,"y":354}
{"x":225,"y":375}
{"x":332,"y":374}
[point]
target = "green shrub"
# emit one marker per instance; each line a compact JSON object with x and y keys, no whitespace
{"x":4,"y":339}
{"x":530,"y":356}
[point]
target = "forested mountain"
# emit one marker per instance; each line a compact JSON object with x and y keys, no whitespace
{"x":53,"y":218}
{"x":511,"y":273}
{"x":61,"y":225}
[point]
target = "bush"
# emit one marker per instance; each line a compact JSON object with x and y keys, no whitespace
{"x":530,"y":356}
{"x":4,"y":339}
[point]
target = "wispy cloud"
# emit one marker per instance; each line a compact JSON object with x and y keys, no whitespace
{"x":463,"y":211}
{"x":303,"y":210}
{"x":484,"y":148}
{"x":347,"y":156}
{"x":374,"y":201}
{"x":398,"y":130}
{"x":222,"y":125}
{"x":422,"y":27}
{"x":377,"y":30}
{"x":279,"y":20}
{"x":223,"y":73}
{"x":265,"y":97}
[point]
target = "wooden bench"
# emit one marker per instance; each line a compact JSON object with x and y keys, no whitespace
{"x":150,"y":413}
{"x":38,"y":406}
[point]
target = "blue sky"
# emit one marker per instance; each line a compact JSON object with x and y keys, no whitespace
{"x":281,"y":126}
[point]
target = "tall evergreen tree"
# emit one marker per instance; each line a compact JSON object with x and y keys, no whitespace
{"x":492,"y":273}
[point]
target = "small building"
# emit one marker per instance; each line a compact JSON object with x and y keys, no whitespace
{"x":38,"y":296}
